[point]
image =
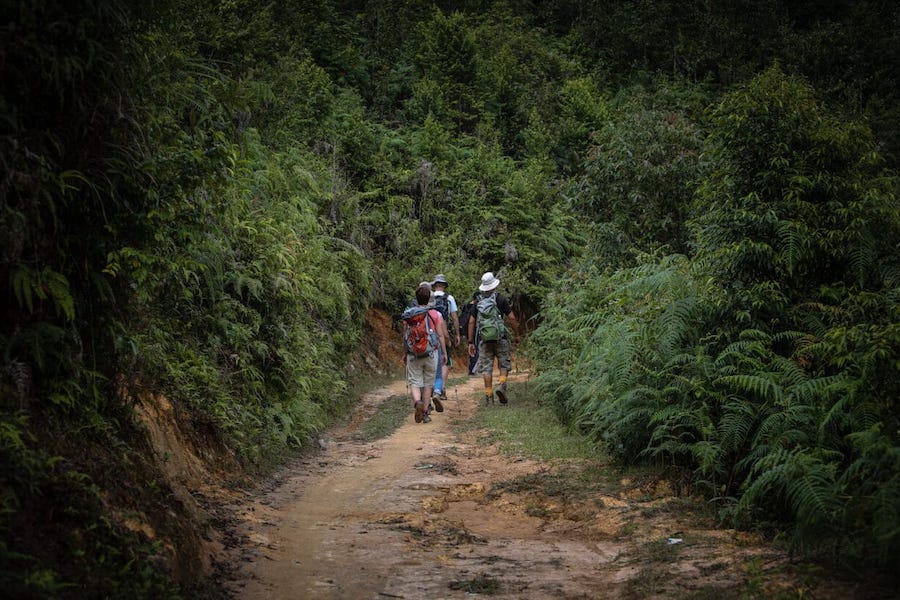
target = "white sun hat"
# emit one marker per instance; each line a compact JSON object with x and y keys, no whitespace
{"x":488,"y":282}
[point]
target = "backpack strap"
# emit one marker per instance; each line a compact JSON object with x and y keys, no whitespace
{"x":412,"y":311}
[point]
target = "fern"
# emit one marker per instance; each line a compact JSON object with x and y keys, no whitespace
{"x":794,"y":239}
{"x":740,"y":418}
{"x":761,"y":387}
{"x":677,"y":324}
{"x":799,"y":482}
{"x":29,"y":285}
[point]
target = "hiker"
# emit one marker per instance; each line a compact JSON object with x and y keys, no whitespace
{"x":466,"y":315}
{"x":424,"y":334}
{"x":493,"y":337}
{"x":445,"y":303}
{"x":439,"y":289}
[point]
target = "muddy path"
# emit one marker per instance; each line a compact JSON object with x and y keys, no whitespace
{"x":425,"y":513}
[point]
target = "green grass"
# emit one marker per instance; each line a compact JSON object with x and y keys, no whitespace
{"x":387,"y":418}
{"x":526,"y":428}
{"x":482,"y":584}
{"x":455,"y":381}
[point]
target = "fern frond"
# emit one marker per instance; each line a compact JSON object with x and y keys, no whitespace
{"x":794,"y":239}
{"x":788,"y":372}
{"x":739,"y":419}
{"x":761,"y":387}
{"x":863,"y":257}
{"x":818,"y":389}
{"x":57,"y":287}
{"x":677,"y":322}
{"x":742,"y":351}
{"x":812,"y":493}
{"x":804,"y":483}
{"x":755,"y":335}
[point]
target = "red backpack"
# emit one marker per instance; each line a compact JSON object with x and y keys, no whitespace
{"x":421,"y":338}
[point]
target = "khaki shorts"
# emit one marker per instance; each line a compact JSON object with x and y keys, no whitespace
{"x":487,"y":351}
{"x":420,"y":372}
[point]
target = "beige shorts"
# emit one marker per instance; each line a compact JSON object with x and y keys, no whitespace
{"x":420,"y":372}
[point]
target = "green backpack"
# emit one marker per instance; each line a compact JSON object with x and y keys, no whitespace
{"x":490,"y":321}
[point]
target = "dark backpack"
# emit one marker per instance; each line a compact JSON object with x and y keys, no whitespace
{"x":490,"y":321}
{"x":464,"y":317}
{"x":421,"y":337}
{"x":442,"y":305}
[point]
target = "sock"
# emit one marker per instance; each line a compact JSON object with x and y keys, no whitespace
{"x":488,"y":391}
{"x":502,"y":379}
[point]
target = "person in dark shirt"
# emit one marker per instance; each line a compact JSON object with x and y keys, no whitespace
{"x":493,"y":337}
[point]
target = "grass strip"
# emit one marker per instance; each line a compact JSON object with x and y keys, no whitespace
{"x":387,"y":419}
{"x":526,"y":427}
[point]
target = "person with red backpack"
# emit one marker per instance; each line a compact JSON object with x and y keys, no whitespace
{"x":424,"y":332}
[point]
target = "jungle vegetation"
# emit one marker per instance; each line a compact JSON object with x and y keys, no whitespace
{"x":695,"y":204}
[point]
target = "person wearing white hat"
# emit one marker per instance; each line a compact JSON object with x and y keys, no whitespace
{"x":493,"y":336}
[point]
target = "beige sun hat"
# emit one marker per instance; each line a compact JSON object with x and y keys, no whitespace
{"x":488,"y":282}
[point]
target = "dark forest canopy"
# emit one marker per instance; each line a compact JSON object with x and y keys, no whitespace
{"x":694,"y":205}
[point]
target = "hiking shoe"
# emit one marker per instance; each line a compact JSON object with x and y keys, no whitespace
{"x":420,"y":412}
{"x":438,"y":405}
{"x":488,"y":398}
{"x":501,"y":393}
{"x":426,"y":418}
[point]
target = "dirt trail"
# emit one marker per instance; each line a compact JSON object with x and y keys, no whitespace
{"x":414,"y":516}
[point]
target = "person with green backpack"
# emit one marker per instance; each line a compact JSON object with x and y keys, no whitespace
{"x":493,"y":336}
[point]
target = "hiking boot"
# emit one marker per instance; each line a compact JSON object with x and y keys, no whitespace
{"x":438,"y":405}
{"x":501,"y":393}
{"x":488,"y":399}
{"x":426,"y":418}
{"x":420,"y":412}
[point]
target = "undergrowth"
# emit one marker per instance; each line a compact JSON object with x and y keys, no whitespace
{"x":64,"y":540}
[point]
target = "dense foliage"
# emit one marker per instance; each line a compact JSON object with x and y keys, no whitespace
{"x":201,"y":200}
{"x":766,"y":360}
